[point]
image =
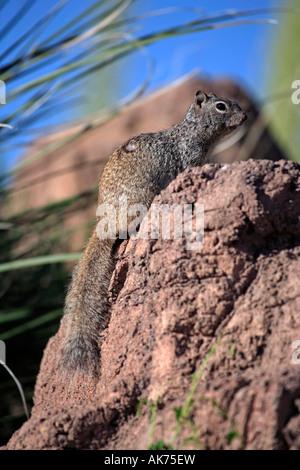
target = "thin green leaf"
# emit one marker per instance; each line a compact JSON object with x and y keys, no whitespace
{"x":38,"y":261}
{"x":32,"y":29}
{"x":68,"y":26}
{"x":14,"y":315}
{"x":99,"y":26}
{"x":39,"y":55}
{"x":30,"y":325}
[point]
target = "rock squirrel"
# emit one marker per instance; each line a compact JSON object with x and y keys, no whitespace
{"x":137,"y":170}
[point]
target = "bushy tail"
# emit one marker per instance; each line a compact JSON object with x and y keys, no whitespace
{"x":86,"y":307}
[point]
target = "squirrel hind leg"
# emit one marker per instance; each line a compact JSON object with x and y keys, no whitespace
{"x":81,"y":358}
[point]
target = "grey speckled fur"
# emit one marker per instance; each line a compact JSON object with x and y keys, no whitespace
{"x":139,"y":169}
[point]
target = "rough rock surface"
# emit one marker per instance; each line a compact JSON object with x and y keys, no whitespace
{"x":225,"y":316}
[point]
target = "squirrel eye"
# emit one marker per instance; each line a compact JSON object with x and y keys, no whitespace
{"x":221,"y":106}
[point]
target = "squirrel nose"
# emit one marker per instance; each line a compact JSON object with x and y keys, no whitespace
{"x":245,"y":117}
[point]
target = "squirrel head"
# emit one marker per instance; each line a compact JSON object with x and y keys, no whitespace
{"x":221,"y":115}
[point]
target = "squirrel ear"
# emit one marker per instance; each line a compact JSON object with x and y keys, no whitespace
{"x":201,"y":98}
{"x":212,"y":95}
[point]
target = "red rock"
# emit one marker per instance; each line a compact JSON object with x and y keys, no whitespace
{"x":240,"y":293}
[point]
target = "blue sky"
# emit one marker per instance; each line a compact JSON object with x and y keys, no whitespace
{"x":240,"y":52}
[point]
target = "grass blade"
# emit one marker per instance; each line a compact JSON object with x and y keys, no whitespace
{"x":30,"y":325}
{"x":38,"y":261}
{"x":32,"y":29}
